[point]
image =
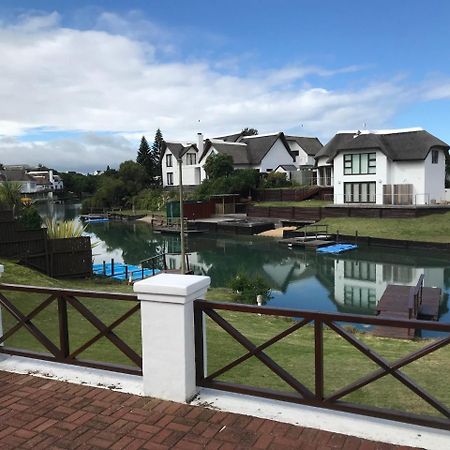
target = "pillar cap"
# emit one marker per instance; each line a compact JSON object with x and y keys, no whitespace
{"x":172,"y":284}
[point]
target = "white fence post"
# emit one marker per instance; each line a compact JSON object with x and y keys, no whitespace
{"x":167,"y":322}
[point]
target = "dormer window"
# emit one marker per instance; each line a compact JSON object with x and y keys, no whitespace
{"x":191,"y":159}
{"x":434,"y":156}
{"x":360,"y":164}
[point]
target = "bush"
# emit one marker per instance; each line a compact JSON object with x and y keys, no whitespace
{"x":246,"y":288}
{"x":274,"y":180}
{"x":30,"y":218}
{"x":153,"y":199}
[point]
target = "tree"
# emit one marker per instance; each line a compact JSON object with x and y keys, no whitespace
{"x":11,"y":194}
{"x":249,"y":131}
{"x":145,"y":157}
{"x":218,"y":165}
{"x":133,"y":176}
{"x":156,"y":154}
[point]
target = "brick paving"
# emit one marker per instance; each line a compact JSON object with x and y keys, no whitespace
{"x":44,"y":414}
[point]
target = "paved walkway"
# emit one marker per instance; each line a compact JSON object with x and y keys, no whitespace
{"x":44,"y":414}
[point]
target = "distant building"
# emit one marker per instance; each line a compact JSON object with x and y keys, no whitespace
{"x":28,"y":183}
{"x":264,"y":153}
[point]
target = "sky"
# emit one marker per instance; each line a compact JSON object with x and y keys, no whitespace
{"x":82,"y":81}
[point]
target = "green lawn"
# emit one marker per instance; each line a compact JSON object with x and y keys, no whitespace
{"x":303,"y":204}
{"x":433,"y":228}
{"x":295,"y":353}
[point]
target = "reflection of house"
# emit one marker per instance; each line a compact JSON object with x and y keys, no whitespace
{"x":264,"y":153}
{"x":359,"y":285}
{"x":396,"y":167}
{"x":195,"y":263}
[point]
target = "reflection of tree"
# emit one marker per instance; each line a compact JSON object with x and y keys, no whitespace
{"x":136,"y":241}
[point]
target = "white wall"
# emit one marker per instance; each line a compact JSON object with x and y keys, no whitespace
{"x":427,"y":178}
{"x":380,"y":177}
{"x":189,"y":171}
{"x":276,"y":156}
{"x":303,"y":158}
{"x":435,"y":178}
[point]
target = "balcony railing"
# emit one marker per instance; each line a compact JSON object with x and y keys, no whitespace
{"x":320,"y":388}
{"x":62,"y":324}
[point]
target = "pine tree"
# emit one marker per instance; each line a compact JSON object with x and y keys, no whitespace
{"x":144,"y":157}
{"x":156,"y":154}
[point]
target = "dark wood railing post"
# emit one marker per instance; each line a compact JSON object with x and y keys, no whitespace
{"x":63,"y":326}
{"x":199,"y":345}
{"x":318,"y":363}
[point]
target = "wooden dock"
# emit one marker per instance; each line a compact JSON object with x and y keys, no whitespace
{"x":306,"y":243}
{"x":407,"y":302}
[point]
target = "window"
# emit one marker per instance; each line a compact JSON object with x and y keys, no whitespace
{"x":359,"y":192}
{"x":434,"y":156}
{"x":360,"y":164}
{"x":169,"y":178}
{"x":168,"y":160}
{"x":191,"y":159}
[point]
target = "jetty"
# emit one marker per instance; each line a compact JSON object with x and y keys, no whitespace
{"x":407,"y":302}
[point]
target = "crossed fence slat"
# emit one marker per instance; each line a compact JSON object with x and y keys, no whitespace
{"x":317,"y":398}
{"x":62,"y":353}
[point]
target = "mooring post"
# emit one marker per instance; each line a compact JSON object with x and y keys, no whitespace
{"x":167,"y":324}
{"x":104,"y":268}
{"x":112,"y":267}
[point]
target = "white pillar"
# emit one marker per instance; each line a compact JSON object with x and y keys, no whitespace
{"x":167,"y":318}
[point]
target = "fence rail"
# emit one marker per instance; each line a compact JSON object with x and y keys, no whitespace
{"x":62,"y":351}
{"x":317,"y":396}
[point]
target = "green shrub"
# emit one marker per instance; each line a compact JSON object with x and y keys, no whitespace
{"x":30,"y":218}
{"x":274,"y":180}
{"x":246,"y":288}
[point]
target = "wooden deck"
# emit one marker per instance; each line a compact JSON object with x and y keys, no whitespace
{"x":395,"y":303}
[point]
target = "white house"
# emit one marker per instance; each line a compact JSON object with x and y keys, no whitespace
{"x":27,"y":182}
{"x":389,"y":167}
{"x":47,"y":180}
{"x":264,"y":153}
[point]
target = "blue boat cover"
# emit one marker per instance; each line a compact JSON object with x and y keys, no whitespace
{"x":337,"y":248}
{"x":119,"y":271}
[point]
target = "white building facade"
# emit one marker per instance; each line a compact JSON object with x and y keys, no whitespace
{"x":400,"y":167}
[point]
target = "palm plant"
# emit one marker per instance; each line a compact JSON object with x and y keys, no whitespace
{"x":64,"y":229}
{"x":10,"y":194}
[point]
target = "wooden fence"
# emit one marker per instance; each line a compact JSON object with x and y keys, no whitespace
{"x":70,"y":257}
{"x":318,"y":213}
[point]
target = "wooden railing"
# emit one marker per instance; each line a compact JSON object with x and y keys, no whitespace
{"x":64,"y":351}
{"x":415,"y":298}
{"x":317,"y":396}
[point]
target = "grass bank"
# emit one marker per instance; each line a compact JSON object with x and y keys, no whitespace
{"x":295,"y":353}
{"x":433,"y":228}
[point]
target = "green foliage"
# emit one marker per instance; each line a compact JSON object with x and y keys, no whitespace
{"x":30,"y":218}
{"x":79,"y":184}
{"x":246,"y":288}
{"x":11,"y":194}
{"x":144,"y":157}
{"x":274,"y":180}
{"x":156,"y":153}
{"x":239,"y":182}
{"x":218,"y":165}
{"x":63,"y":229}
{"x":249,"y":131}
{"x":133,"y":176}
{"x":153,"y":199}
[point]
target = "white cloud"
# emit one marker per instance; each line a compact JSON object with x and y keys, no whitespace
{"x":108,"y":79}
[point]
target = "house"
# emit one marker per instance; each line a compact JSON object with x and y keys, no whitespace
{"x":264,"y":153}
{"x":47,"y":180}
{"x":389,"y":167}
{"x":28,"y":183}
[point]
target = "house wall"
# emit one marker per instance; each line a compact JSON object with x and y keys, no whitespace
{"x":435,"y":178}
{"x":190,"y":177}
{"x":427,"y":179}
{"x":276,"y":156}
{"x":380,"y":177}
{"x":303,"y":158}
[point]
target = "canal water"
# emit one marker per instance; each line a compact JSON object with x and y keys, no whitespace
{"x":352,"y":282}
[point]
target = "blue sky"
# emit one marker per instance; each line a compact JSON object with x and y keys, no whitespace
{"x":85,"y":80}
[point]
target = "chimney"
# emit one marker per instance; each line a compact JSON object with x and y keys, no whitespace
{"x":200,"y":142}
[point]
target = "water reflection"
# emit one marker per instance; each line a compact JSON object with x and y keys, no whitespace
{"x":352,"y":282}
